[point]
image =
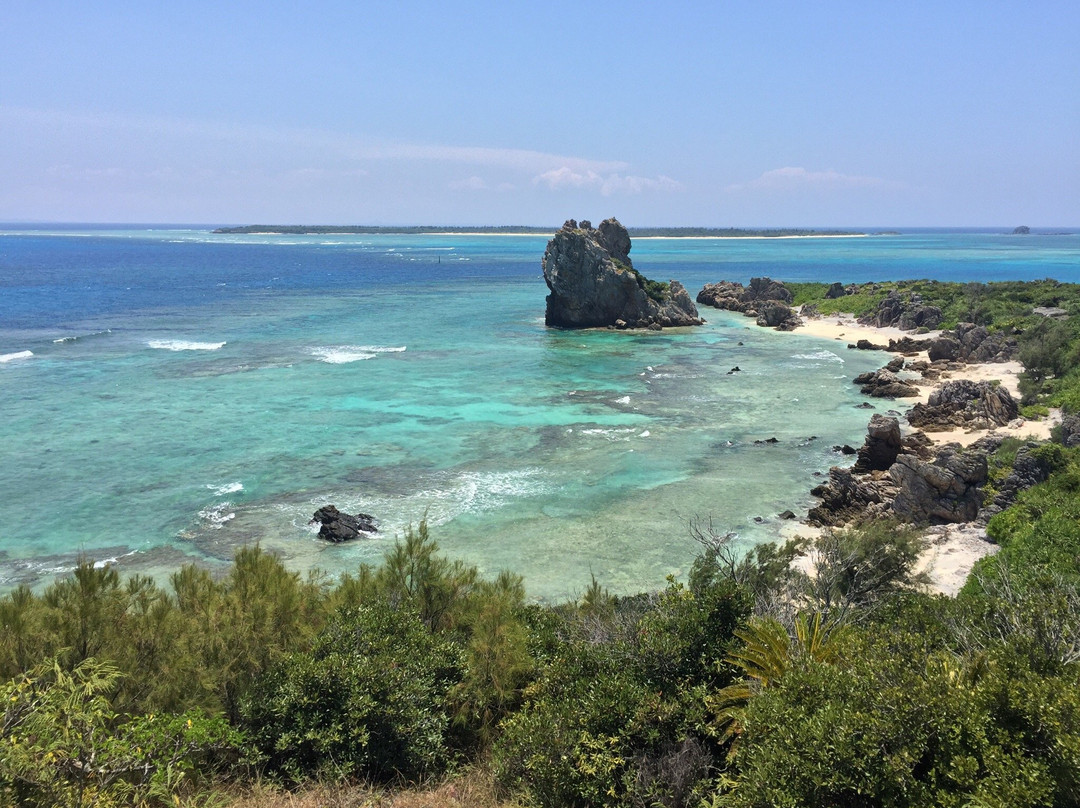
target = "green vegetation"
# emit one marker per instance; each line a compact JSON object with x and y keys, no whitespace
{"x":755,"y":683}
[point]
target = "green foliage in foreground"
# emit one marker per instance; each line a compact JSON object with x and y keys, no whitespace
{"x":757,"y":683}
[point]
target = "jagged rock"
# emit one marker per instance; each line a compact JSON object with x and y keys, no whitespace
{"x":767,"y":300}
{"x":594,"y":284}
{"x":946,"y":489}
{"x":908,"y":315}
{"x":964,"y":403}
{"x":338,"y":527}
{"x":1070,"y":430}
{"x":787,"y":515}
{"x":884,"y":384}
{"x":726,"y":295}
{"x":895,"y":365}
{"x":908,"y":346}
{"x":881,"y":446}
{"x":774,"y":314}
{"x":835,"y":291}
{"x":946,"y":347}
{"x":867,"y":345}
{"x":848,"y":497}
{"x":1028,"y":469}
{"x":810,"y":311}
{"x":973,"y":343}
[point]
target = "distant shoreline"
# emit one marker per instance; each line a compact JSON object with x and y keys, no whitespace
{"x":514,"y":230}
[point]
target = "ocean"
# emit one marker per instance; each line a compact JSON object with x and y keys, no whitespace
{"x":169,"y":395}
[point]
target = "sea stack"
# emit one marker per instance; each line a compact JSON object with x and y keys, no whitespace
{"x":594,"y":284}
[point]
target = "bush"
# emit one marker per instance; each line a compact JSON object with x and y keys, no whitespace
{"x":369,"y":700}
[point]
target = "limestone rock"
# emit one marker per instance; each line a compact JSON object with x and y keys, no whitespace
{"x":848,"y":497}
{"x":967,"y":404}
{"x":885,"y":384}
{"x":1070,"y":430}
{"x":594,"y":284}
{"x":774,"y":314}
{"x":944,"y":490}
{"x":908,"y":314}
{"x":881,"y":447}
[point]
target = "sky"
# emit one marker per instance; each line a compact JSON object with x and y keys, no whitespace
{"x":720,"y":114}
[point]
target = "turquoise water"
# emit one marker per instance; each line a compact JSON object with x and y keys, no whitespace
{"x":171,"y":395}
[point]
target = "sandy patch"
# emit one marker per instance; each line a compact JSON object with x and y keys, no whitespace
{"x":952,"y":553}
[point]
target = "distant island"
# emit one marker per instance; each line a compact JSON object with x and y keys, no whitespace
{"x":495,"y":230}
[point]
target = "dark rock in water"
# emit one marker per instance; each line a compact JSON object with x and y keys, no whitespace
{"x":845,"y":449}
{"x":338,"y":527}
{"x":787,"y":515}
{"x":881,"y":447}
{"x":594,"y":284}
{"x":895,"y":365}
{"x":767,"y":440}
{"x":964,"y":403}
{"x":735,"y":369}
{"x":1022,"y":230}
{"x":884,"y":384}
{"x":867,"y":345}
{"x":866,"y":405}
{"x":847,"y":497}
{"x":774,"y":314}
{"x":765,"y":299}
{"x":944,"y":490}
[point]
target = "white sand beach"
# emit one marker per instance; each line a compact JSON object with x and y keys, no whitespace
{"x":952,"y":549}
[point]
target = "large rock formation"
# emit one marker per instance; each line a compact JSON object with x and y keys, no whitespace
{"x":967,"y":404}
{"x":907,"y":315}
{"x":973,"y":343}
{"x":946,"y":489}
{"x":594,"y":284}
{"x":765,"y":299}
{"x":884,"y":383}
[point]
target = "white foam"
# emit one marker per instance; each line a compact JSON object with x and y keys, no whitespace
{"x":644,"y":434}
{"x":377,"y":349}
{"x":341,"y":354}
{"x":623,"y":400}
{"x":228,"y":488}
{"x":183,"y":345}
{"x":217,"y":515}
{"x":820,"y":356}
{"x":11,"y":357}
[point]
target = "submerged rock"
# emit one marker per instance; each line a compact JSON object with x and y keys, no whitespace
{"x":594,"y":284}
{"x":338,"y":527}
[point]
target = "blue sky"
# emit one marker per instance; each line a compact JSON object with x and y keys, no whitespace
{"x":717,"y":114}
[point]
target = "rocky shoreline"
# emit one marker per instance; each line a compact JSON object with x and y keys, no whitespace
{"x":927,"y":466}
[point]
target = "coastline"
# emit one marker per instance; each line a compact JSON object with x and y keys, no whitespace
{"x":952,"y":549}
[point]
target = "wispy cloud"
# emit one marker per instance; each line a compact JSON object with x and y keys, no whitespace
{"x":791,"y":178}
{"x":607,"y":184}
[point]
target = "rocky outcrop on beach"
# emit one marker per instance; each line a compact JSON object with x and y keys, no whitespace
{"x":884,"y":383}
{"x":906,"y":314}
{"x":593,"y":283}
{"x":1069,"y":431}
{"x":338,"y":527}
{"x":945,"y":489}
{"x":966,"y":404}
{"x":973,"y":344}
{"x":1030,"y":467}
{"x":766,"y":300}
